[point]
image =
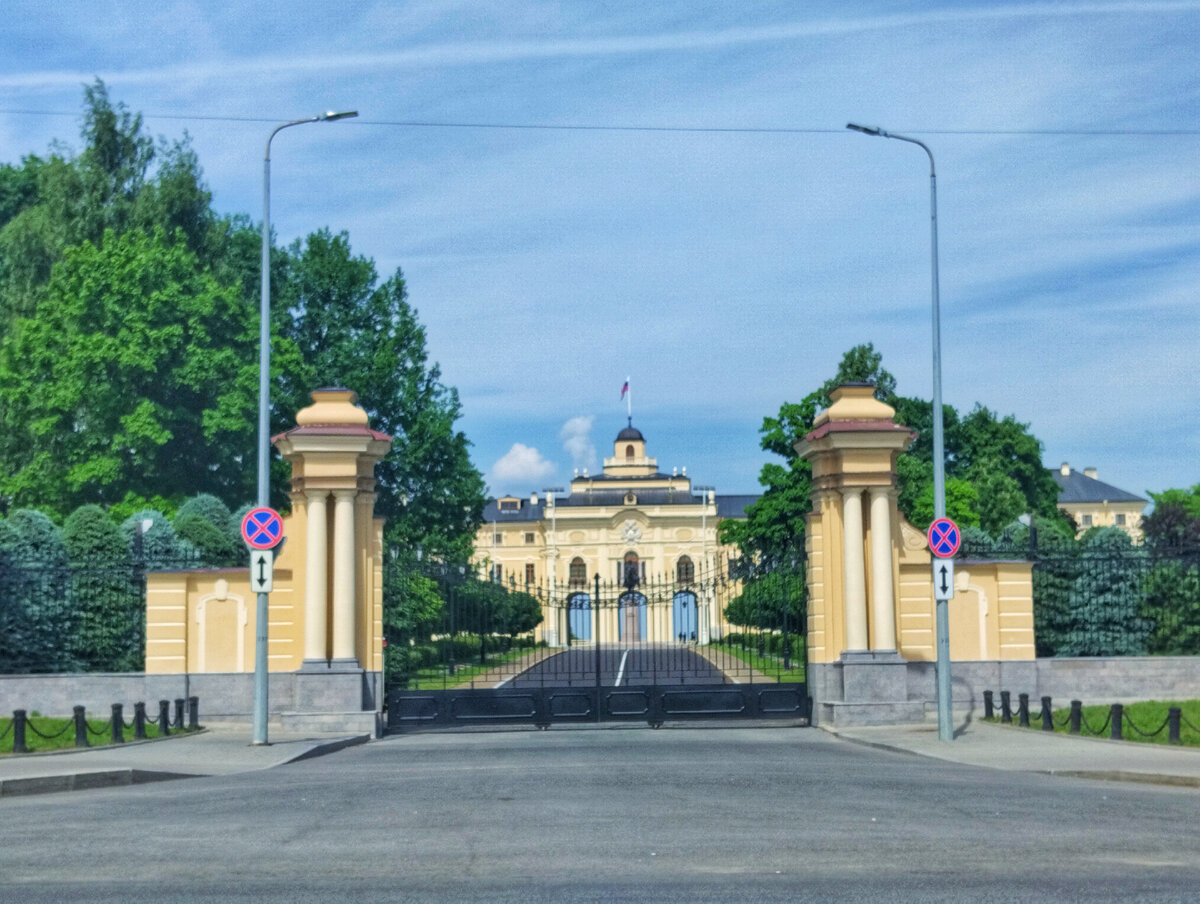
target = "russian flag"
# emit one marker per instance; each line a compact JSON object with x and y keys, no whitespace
{"x":624,"y":389}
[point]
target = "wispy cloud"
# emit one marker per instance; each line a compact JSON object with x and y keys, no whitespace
{"x":576,"y":438}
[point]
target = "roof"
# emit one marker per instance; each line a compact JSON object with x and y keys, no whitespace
{"x":630,"y":432}
{"x":734,"y":506}
{"x":728,"y":506}
{"x":1077,"y":487}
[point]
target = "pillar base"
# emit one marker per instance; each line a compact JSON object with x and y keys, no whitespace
{"x":331,"y":690}
{"x":864,"y":687}
{"x":319,"y":666}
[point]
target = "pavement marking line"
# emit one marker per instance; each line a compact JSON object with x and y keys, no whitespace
{"x":621,"y":668}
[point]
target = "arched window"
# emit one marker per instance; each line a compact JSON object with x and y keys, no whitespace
{"x":685,"y":571}
{"x":578,"y":573}
{"x":629,"y":452}
{"x":631,"y":574}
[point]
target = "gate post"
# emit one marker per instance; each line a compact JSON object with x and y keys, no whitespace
{"x":856,"y":673}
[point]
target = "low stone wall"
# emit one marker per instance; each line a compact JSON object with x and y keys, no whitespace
{"x":1092,"y":680}
{"x":223,"y":695}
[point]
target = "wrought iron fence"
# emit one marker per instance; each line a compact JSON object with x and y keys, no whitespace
{"x":451,"y":627}
{"x":115,"y":728}
{"x":1106,"y":596}
{"x":66,"y":616}
{"x":1117,"y":725}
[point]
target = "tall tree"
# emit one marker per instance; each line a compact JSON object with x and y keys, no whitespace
{"x":136,"y":372}
{"x":349,"y":329}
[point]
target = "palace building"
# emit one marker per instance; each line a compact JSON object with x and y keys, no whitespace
{"x":630,"y":525}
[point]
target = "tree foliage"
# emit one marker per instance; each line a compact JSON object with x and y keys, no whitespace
{"x":992,"y":465}
{"x":129,"y":340}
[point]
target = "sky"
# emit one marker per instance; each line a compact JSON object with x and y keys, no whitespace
{"x":583,"y":193}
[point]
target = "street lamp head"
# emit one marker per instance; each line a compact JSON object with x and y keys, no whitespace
{"x":330,"y":115}
{"x":866,"y":130}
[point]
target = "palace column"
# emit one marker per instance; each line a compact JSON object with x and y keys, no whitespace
{"x":316,"y":554}
{"x":344,"y":583}
{"x":883,"y":611}
{"x":854,"y":587}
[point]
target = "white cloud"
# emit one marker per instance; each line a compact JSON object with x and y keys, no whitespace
{"x":520,"y":468}
{"x":576,"y":437}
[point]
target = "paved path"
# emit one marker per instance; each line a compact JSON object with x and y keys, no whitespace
{"x":1016,"y":749}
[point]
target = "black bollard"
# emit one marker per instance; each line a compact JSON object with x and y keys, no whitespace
{"x":989,"y":706}
{"x":19,"y":731}
{"x":1115,"y":716}
{"x":118,"y":724}
{"x":80,"y":727}
{"x":139,"y":721}
{"x":164,"y":717}
{"x":1076,"y":716}
{"x":1005,"y":707}
{"x":1047,"y":715}
{"x":193,"y":713}
{"x":178,"y":723}
{"x":1173,"y":714}
{"x":1023,"y":710}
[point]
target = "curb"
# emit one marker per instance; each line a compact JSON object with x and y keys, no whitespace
{"x":124,"y":777}
{"x":84,"y":781}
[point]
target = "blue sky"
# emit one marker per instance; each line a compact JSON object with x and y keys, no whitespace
{"x":725,"y":272}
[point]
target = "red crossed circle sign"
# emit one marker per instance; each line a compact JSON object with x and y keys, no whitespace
{"x":262,"y":528}
{"x":943,"y":537}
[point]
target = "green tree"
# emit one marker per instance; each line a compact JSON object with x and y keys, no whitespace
{"x":775,"y":522}
{"x":106,"y":604}
{"x":135,"y":373}
{"x":349,"y":329}
{"x":33,"y":596}
{"x":1105,"y":598}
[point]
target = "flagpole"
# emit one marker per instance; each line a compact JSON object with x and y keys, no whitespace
{"x":629,"y":400}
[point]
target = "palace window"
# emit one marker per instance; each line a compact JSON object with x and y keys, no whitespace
{"x":578,"y":573}
{"x":685,"y":571}
{"x":529,"y":573}
{"x":629,"y":453}
{"x":529,"y":536}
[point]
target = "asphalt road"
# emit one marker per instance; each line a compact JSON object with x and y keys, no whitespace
{"x":620,"y":666}
{"x":695,"y":815}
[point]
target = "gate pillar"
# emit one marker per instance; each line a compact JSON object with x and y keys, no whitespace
{"x":855,"y":674}
{"x":333,"y":451}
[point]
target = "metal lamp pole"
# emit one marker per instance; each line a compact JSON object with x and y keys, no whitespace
{"x":264,"y":425}
{"x":945,"y":722}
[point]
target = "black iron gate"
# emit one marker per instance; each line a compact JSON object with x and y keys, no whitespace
{"x":652,"y":652}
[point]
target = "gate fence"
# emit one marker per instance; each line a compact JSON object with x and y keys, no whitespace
{"x":76,"y":616}
{"x":1105,"y":596}
{"x":469,"y":648}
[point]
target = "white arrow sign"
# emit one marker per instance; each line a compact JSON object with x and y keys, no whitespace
{"x":943,"y":579}
{"x":262,"y":570}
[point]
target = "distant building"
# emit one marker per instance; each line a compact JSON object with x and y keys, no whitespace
{"x":1093,"y":503}
{"x":629,"y":519}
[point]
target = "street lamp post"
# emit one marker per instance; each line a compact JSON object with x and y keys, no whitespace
{"x":945,"y":724}
{"x":264,"y":425}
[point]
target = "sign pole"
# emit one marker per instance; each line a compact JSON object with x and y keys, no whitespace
{"x":262,"y":528}
{"x":944,"y":538}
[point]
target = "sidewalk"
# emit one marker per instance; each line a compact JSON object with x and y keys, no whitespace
{"x":1016,"y":749}
{"x":220,"y":749}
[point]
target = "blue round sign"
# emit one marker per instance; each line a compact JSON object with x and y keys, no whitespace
{"x":262,"y":528}
{"x":943,"y":537}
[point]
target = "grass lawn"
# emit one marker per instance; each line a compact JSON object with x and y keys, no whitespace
{"x":61,"y":732}
{"x":1139,"y":719}
{"x":437,"y":677}
{"x":768,"y":664}
{"x":1145,"y":716}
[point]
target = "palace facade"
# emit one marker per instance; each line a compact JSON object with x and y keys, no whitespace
{"x":630,"y":525}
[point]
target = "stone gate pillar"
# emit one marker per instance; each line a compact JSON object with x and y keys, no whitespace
{"x":855,"y":673}
{"x":333,"y":452}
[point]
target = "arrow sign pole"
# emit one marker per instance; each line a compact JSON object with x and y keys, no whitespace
{"x":262,"y":570}
{"x":943,"y":579}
